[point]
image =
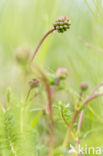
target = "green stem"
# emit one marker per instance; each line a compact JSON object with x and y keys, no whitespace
{"x":29,"y":91}
{"x":21,"y":120}
{"x":66,"y":139}
{"x":67,"y":124}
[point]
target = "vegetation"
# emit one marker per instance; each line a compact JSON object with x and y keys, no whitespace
{"x":51,"y":89}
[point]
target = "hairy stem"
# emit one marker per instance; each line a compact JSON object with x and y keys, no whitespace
{"x":40,"y":43}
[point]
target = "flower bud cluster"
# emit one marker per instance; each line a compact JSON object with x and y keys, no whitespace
{"x":62,"y":24}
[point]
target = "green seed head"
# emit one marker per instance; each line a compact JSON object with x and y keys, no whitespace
{"x":62,"y":24}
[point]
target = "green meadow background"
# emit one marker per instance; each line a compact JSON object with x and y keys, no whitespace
{"x":80,"y":50}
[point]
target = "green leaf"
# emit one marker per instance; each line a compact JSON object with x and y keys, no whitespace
{"x":8,"y":95}
{"x":36,"y":118}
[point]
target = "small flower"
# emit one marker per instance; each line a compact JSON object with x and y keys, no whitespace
{"x":61,"y":73}
{"x":22,"y":55}
{"x":62,"y":24}
{"x":84,"y":86}
{"x":34,"y":83}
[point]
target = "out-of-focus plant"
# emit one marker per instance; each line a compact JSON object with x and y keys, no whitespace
{"x":61,"y":25}
{"x":18,"y":126}
{"x":22,"y":56}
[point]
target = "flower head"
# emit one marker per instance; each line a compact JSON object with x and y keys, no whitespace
{"x":61,"y":73}
{"x":84,"y":86}
{"x":62,"y":24}
{"x":34,"y":83}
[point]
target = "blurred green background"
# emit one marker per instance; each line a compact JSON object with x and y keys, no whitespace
{"x":24,"y":22}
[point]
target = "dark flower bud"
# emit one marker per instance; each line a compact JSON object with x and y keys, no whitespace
{"x":33,"y":83}
{"x":62,"y":24}
{"x":84,"y":86}
{"x":22,"y":55}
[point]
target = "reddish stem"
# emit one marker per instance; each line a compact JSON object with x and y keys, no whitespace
{"x":40,"y":43}
{"x":91,"y":96}
{"x":50,"y":108}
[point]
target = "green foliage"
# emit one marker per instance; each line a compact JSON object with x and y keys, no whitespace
{"x":24,"y":128}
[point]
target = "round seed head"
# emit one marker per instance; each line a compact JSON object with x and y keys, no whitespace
{"x":84,"y":86}
{"x":65,"y":26}
{"x":58,"y":27}
{"x":62,"y":22}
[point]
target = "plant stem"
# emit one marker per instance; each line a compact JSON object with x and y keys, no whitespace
{"x":91,"y":46}
{"x":83,"y":111}
{"x":88,"y":99}
{"x":54,"y":87}
{"x":12,"y":149}
{"x":41,"y":41}
{"x":2,"y":107}
{"x":29,"y":91}
{"x":80,"y":96}
{"x":22,"y":120}
{"x":50,"y":107}
{"x":80,"y":124}
{"x":91,"y":96}
{"x":67,"y":124}
{"x":66,"y":139}
{"x":94,"y":113}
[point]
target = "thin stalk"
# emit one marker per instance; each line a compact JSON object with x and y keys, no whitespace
{"x":89,"y":45}
{"x":55,"y":85}
{"x":67,"y":124}
{"x":94,"y":113}
{"x":93,"y":12}
{"x":91,"y":96}
{"x":28,"y":94}
{"x":98,"y":10}
{"x":66,"y":139}
{"x":80,"y":95}
{"x":2,"y":107}
{"x":86,"y":101}
{"x":21,"y":120}
{"x":83,"y":111}
{"x":41,"y":41}
{"x":80,"y":122}
{"x":13,"y":149}
{"x":50,"y":108}
{"x":70,"y":131}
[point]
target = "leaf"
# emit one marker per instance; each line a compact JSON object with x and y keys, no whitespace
{"x":8,"y":95}
{"x":36,"y":118}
